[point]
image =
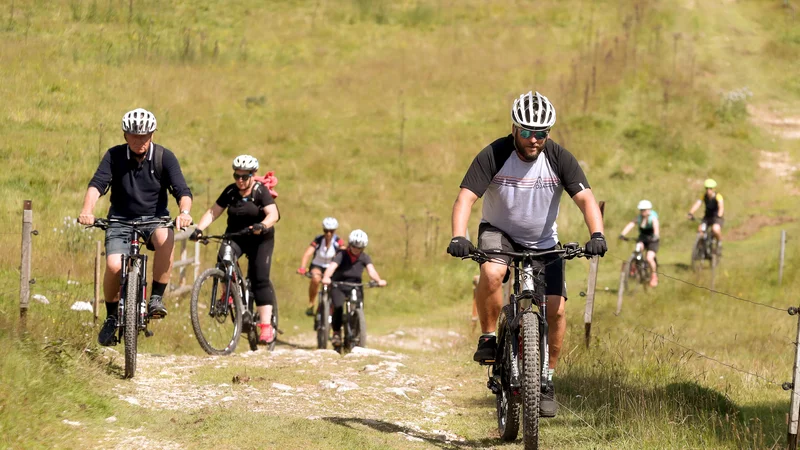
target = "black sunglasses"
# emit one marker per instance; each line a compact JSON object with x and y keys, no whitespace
{"x":526,"y":134}
{"x":236,"y":176}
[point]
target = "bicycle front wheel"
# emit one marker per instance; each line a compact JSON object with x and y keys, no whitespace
{"x":216,"y":314}
{"x":698,"y":254}
{"x":507,"y":399}
{"x":271,"y":345}
{"x":323,"y":321}
{"x":358,"y":328}
{"x":532,"y":380}
{"x":131,"y":332}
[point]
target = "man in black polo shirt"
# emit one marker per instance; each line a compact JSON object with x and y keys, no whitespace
{"x":139,"y":174}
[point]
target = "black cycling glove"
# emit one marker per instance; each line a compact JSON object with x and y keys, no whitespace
{"x":259,"y":227}
{"x":460,"y":247}
{"x":196,"y":234}
{"x":596,"y":245}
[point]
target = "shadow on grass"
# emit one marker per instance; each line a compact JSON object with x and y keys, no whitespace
{"x":282,"y":343}
{"x":438,"y":440}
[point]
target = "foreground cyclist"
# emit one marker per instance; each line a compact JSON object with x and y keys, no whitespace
{"x":649,"y":232}
{"x":250,"y":207}
{"x":521,"y":177}
{"x":323,"y":248}
{"x":139,"y":174}
{"x":348,"y":265}
{"x":715,"y":208}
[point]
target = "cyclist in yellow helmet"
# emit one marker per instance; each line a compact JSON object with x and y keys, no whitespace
{"x":715,"y":208}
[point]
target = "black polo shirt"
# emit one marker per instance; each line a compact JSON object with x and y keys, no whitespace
{"x":136,"y":190}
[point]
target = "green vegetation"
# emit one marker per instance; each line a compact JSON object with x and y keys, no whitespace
{"x":371,"y":110}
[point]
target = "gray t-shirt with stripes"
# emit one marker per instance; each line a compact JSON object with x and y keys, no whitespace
{"x":521,"y":198}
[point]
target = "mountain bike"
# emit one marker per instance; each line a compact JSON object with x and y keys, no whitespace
{"x":223,"y":305}
{"x":323,"y":316}
{"x":133,"y":288}
{"x":706,"y":248}
{"x":521,"y":367}
{"x":354,"y":322}
{"x":635,"y":269}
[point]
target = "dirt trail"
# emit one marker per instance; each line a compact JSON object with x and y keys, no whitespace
{"x":388,"y":385}
{"x":782,"y":125}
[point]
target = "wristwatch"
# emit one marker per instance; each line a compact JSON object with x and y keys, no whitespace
{"x":185,"y":211}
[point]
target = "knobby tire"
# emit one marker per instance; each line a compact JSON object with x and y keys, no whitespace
{"x":209,"y":275}
{"x":132,"y":305}
{"x":532,"y":380}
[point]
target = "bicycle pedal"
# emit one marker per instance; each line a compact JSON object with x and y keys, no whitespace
{"x":148,"y":333}
{"x":487,"y":362}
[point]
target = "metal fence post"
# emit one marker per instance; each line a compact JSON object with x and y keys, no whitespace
{"x":25,"y":263}
{"x":589,"y":311}
{"x":794,"y":404}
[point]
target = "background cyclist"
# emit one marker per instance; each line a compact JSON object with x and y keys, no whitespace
{"x":521,"y":193}
{"x":250,"y":206}
{"x":323,"y":248}
{"x":715,"y":208}
{"x":138,"y":192}
{"x":348,"y":265}
{"x":649,"y":232}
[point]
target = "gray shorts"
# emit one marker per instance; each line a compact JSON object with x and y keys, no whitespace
{"x":550,"y":269}
{"x":118,"y":236}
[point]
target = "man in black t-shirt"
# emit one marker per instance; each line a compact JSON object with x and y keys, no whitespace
{"x":139,"y":174}
{"x":348,"y":265}
{"x":521,"y":178}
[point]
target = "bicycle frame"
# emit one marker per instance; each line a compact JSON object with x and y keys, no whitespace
{"x":135,"y":253}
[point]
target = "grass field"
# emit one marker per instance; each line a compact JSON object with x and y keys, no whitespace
{"x":371,"y":111}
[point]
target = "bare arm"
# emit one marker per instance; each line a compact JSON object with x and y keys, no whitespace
{"x":89,"y":201}
{"x":591,"y":211}
{"x":695,"y":206}
{"x":185,"y":204}
{"x":462,"y":210}
{"x":272,"y":215}
{"x":721,"y":207}
{"x":326,"y":277}
{"x":628,"y":228}
{"x":373,"y":274}
{"x":307,"y":256}
{"x":656,"y":228}
{"x":210,"y":216}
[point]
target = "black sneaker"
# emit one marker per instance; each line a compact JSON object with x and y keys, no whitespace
{"x":487,"y":347}
{"x":336,"y":340}
{"x":547,"y":405}
{"x":107,"y":336}
{"x":310,"y":311}
{"x":156,"y":307}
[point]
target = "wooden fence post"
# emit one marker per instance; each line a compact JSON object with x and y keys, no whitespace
{"x":97,"y":280}
{"x":794,"y":403}
{"x":781,"y":257}
{"x":590,"y":290}
{"x":25,"y":263}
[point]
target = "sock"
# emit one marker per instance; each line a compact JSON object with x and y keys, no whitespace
{"x":158,"y":288}
{"x":550,"y":374}
{"x":492,"y":334}
{"x":111,"y":309}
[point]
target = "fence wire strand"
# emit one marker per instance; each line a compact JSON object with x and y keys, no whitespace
{"x":753,"y":302}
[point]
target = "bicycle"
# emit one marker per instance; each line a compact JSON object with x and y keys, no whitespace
{"x":354,"y":322}
{"x":520,"y":368}
{"x":636,"y":268}
{"x":225,"y":294}
{"x":133,"y":289}
{"x":706,"y":248}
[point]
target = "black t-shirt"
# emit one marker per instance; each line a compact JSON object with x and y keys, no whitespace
{"x":348,"y":269}
{"x":136,"y":190}
{"x":244,"y":212}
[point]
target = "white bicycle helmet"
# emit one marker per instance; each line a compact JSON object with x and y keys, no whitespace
{"x":645,"y":204}
{"x":139,"y":121}
{"x":533,"y":111}
{"x":245,"y":162}
{"x":358,"y":239}
{"x":330,"y":223}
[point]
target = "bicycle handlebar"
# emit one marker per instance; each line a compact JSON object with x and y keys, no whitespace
{"x":104,"y":223}
{"x":371,"y":284}
{"x":570,"y":251}
{"x":205,"y":239}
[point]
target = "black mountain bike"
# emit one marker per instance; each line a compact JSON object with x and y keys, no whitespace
{"x":133,"y":289}
{"x":706,"y":249}
{"x":223,"y":305}
{"x":636,"y":269}
{"x":521,"y":367}
{"x":354,"y":322}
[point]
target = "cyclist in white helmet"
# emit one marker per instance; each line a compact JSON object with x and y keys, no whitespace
{"x":140,"y":174}
{"x":320,"y":253}
{"x":649,"y":232}
{"x":348,"y":265}
{"x":521,"y":178}
{"x":250,"y":206}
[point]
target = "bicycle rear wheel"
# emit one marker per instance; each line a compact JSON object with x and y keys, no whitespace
{"x":532,"y":380}
{"x":358,"y":329}
{"x":507,"y":401}
{"x":216,"y":315}
{"x":323,"y":321}
{"x":131,"y":332}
